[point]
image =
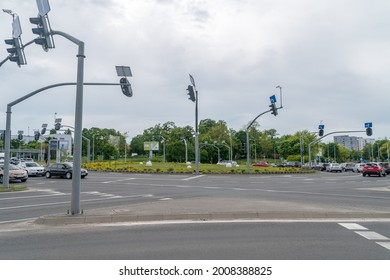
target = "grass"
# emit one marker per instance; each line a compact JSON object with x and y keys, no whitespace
{"x":13,"y":188}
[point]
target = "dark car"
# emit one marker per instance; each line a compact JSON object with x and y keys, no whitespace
{"x":64,"y":170}
{"x":323,"y":166}
{"x":373,"y":168}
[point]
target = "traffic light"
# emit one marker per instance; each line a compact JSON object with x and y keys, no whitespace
{"x":321,"y":132}
{"x":126,"y":87}
{"x":20,"y":136}
{"x":45,"y":38}
{"x":17,"y":53}
{"x":37,"y":135}
{"x":369,"y":131}
{"x":43,"y":131}
{"x":191,"y":93}
{"x":274,"y":110}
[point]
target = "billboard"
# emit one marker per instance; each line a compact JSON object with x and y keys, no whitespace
{"x":151,"y":146}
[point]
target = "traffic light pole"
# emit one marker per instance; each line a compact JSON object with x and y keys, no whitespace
{"x":248,"y":157}
{"x":7,"y":132}
{"x":319,"y":139}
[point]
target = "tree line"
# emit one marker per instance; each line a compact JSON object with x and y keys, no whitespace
{"x":217,"y":142}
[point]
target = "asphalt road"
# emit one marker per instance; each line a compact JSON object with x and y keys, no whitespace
{"x":347,"y":192}
{"x":201,"y":241}
{"x":329,"y":238}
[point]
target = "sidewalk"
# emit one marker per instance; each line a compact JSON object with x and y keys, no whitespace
{"x":212,"y":209}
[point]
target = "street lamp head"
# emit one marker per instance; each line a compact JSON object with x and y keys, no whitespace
{"x":278,"y":87}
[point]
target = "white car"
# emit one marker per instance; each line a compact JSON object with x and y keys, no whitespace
{"x":334,"y":167}
{"x":358,"y":167}
{"x":32,"y":168}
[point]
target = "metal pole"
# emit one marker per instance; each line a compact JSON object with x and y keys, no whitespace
{"x":196,"y":135}
{"x":76,"y":178}
{"x":185,"y":144}
{"x":247,"y":141}
{"x":7,"y":133}
{"x":319,"y":139}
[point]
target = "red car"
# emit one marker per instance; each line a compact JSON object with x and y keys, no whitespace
{"x":262,"y":164}
{"x":373,"y":168}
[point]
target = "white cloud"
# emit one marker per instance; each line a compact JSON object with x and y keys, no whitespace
{"x":330,"y":57}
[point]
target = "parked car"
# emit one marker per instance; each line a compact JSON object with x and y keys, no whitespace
{"x":261,"y":164}
{"x":324,"y":166}
{"x":15,"y":173}
{"x":334,"y":167}
{"x":293,"y":164}
{"x":224,"y":162}
{"x":386,"y":166}
{"x":64,"y":169}
{"x":347,"y":166}
{"x":373,"y":168}
{"x":33,"y":168}
{"x":358,"y":167}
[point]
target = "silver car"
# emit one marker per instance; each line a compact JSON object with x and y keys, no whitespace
{"x":334,"y":167}
{"x":33,"y":168}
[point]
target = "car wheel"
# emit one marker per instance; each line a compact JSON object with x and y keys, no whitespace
{"x":1,"y":178}
{"x":364,"y":174}
{"x":380,"y":174}
{"x":68,"y":175}
{"x":23,"y":180}
{"x":48,"y":175}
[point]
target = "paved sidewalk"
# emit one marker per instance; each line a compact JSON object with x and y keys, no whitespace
{"x":212,"y":209}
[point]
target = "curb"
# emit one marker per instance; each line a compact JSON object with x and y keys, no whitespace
{"x":118,"y":218}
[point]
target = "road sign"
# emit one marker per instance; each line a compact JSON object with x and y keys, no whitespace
{"x":16,"y":29}
{"x":43,"y":7}
{"x":368,"y":125}
{"x":272,"y":99}
{"x":321,"y":126}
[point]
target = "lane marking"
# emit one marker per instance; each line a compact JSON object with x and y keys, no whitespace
{"x":119,"y":180}
{"x":67,"y":202}
{"x":372,"y":235}
{"x":353,"y":226}
{"x":191,"y":178}
{"x":384,"y":244}
{"x":33,"y":196}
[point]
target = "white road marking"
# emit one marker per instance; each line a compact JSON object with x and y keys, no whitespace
{"x":33,"y":196}
{"x":191,"y":178}
{"x":67,"y":202}
{"x":353,"y":226}
{"x":166,"y":198}
{"x":119,"y":180}
{"x":372,"y":235}
{"x":384,"y":244}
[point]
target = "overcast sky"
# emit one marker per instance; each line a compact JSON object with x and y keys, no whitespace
{"x":331,"y":58}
